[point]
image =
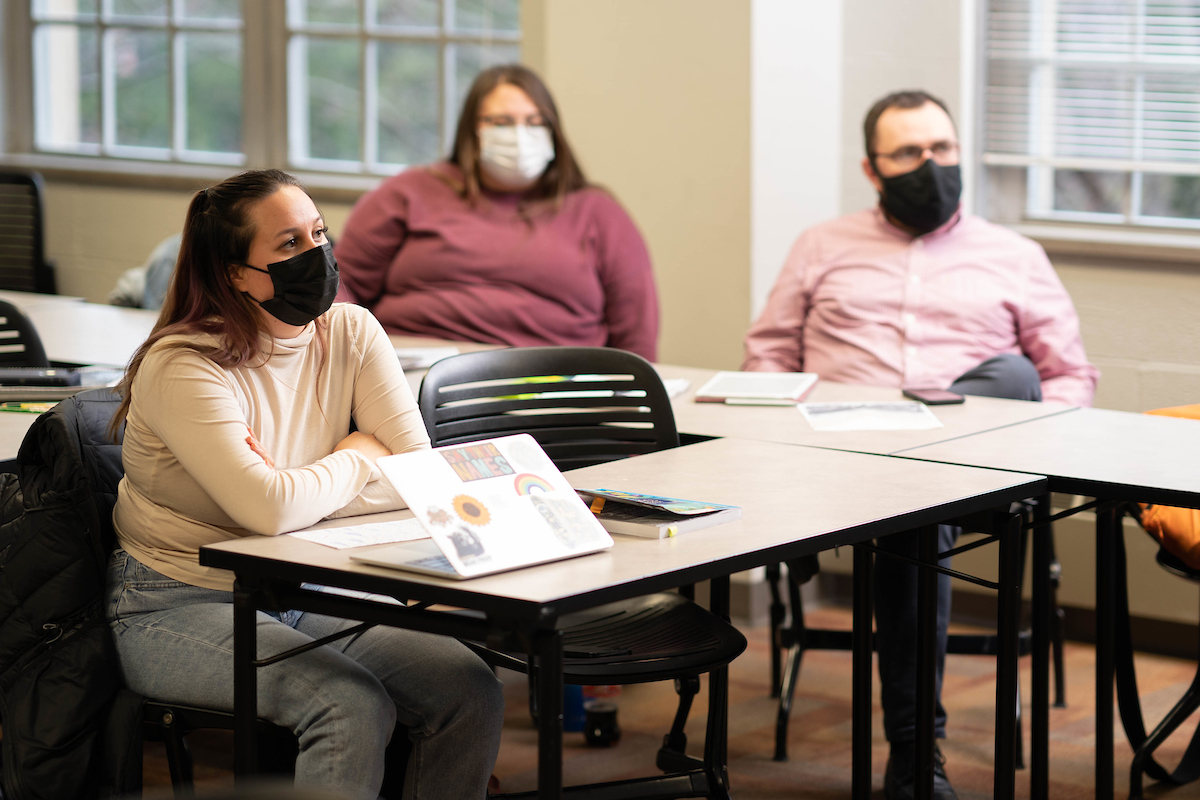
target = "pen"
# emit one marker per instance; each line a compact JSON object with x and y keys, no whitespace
{"x":34,"y":408}
{"x":757,"y":401}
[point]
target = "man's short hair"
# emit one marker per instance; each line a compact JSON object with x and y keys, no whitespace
{"x":909,"y":98}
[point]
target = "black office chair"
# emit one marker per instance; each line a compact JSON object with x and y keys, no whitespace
{"x":791,"y":637}
{"x":20,"y":345}
{"x":1144,"y":746}
{"x":23,"y":264}
{"x":589,"y":405}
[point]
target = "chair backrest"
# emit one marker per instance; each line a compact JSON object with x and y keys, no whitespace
{"x":584,"y":405}
{"x":20,"y":345}
{"x":23,"y":265}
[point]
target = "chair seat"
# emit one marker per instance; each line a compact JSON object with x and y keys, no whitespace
{"x":639,"y":640}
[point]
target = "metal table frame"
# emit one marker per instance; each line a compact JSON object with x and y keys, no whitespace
{"x":271,"y":583}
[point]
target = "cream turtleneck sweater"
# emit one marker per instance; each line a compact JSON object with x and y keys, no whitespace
{"x":190,"y":477}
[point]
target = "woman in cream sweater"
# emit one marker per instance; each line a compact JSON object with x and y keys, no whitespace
{"x":237,"y":410}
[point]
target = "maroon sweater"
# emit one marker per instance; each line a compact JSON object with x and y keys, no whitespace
{"x":427,"y":264}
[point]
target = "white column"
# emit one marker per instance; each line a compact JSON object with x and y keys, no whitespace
{"x":796,"y":128}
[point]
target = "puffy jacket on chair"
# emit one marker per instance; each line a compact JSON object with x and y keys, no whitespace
{"x":59,"y":673}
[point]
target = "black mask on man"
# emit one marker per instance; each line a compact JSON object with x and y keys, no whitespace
{"x":925,"y":198}
{"x":305,"y":285}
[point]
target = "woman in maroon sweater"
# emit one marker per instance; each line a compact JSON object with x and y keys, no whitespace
{"x":505,"y":242}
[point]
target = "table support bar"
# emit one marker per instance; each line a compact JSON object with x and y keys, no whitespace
{"x":1008,"y":614}
{"x":927,"y":590}
{"x":1108,"y":523}
{"x":860,"y":787}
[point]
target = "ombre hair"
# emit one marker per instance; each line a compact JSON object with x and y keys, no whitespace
{"x":561,"y":177}
{"x":217,"y":233}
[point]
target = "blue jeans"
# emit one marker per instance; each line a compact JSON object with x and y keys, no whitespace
{"x":1006,"y":375}
{"x":342,"y":700}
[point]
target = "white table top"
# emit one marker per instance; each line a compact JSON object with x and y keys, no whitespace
{"x":788,"y":494}
{"x":787,"y":425}
{"x":27,"y":300}
{"x":91,"y":333}
{"x":414,"y":376}
{"x":1091,"y":451}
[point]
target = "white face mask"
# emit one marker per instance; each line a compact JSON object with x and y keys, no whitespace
{"x":515,"y":156}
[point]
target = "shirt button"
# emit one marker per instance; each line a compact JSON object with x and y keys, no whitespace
{"x":915,"y":280}
{"x":918,"y":243}
{"x":910,"y":318}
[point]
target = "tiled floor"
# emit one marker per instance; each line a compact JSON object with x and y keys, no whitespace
{"x":820,"y":730}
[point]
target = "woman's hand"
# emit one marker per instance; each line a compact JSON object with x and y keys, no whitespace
{"x":364,"y":443}
{"x":257,"y":447}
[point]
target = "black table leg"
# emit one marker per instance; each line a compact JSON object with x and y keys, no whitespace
{"x":864,"y":566}
{"x":927,"y":581}
{"x":717,"y":751}
{"x":245,"y":684}
{"x":1008,"y":607}
{"x":1108,"y":523}
{"x":1039,"y":759}
{"x":548,"y":657}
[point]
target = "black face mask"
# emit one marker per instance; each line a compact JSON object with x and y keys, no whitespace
{"x":305,"y":285}
{"x":925,"y":198}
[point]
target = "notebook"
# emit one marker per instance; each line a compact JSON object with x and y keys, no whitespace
{"x":757,"y":388}
{"x":489,"y":506}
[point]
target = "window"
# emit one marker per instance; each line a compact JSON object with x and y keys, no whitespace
{"x":374,"y":86}
{"x":147,"y":79}
{"x":370,"y":85}
{"x":1092,"y":111}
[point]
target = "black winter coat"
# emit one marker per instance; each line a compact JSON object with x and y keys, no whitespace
{"x":70,"y":731}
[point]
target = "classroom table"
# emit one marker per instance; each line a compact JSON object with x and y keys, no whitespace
{"x":91,"y":333}
{"x":786,"y":425}
{"x":794,"y":503}
{"x":27,"y":300}
{"x":1108,"y":455}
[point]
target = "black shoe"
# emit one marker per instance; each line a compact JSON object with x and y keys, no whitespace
{"x":898,"y":780}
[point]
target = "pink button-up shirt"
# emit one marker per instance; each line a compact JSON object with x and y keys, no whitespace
{"x":860,"y":301}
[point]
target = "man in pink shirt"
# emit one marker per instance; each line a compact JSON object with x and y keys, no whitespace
{"x":917,"y":293}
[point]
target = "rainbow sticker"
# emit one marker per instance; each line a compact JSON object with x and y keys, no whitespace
{"x":528,"y":483}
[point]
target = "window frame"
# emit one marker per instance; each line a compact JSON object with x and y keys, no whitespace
{"x":444,"y":37}
{"x":1127,"y":234}
{"x":265,"y":109}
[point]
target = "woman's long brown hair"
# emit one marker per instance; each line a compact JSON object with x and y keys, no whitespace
{"x":217,"y":233}
{"x":562,"y":176}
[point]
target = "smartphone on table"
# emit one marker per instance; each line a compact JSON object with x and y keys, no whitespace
{"x":933,"y":397}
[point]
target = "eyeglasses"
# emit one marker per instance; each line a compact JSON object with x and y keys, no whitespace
{"x":505,"y":120}
{"x":912,"y":155}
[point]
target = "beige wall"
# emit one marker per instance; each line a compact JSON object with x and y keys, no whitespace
{"x":655,"y":97}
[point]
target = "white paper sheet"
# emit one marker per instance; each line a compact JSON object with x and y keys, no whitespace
{"x":404,"y":530}
{"x":676,"y":386}
{"x":894,"y":416}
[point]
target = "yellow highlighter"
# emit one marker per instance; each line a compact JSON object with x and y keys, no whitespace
{"x":31,"y":408}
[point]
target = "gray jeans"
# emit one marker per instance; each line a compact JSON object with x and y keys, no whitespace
{"x":1006,"y":375}
{"x":342,"y":700}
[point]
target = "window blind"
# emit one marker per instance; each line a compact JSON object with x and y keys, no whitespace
{"x":1110,"y":85}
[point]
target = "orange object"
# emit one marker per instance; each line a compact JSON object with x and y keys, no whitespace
{"x":1178,"y":529}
